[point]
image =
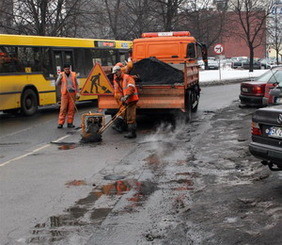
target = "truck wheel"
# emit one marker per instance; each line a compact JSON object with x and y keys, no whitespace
{"x":29,"y":102}
{"x":188,"y":106}
{"x":196,"y":98}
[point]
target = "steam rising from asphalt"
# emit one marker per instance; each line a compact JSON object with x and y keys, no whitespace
{"x":167,"y":138}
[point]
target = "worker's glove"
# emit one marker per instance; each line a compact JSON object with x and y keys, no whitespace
{"x":124,"y":98}
{"x":77,"y":96}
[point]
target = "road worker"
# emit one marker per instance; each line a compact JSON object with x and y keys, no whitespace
{"x":69,"y":94}
{"x":126,"y":92}
{"x":119,"y":124}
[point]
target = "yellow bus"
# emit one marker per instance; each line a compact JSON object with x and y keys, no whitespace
{"x":29,"y":66}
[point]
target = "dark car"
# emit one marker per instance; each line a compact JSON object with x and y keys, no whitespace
{"x":267,"y":134}
{"x":256,"y":64}
{"x":237,"y":62}
{"x":253,"y":92}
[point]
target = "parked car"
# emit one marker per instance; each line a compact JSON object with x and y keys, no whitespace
{"x":256,"y":64}
{"x":267,"y":63}
{"x":213,"y":63}
{"x":253,"y":92}
{"x":274,"y":80}
{"x":201,"y":63}
{"x":266,"y":143}
{"x":237,"y":62}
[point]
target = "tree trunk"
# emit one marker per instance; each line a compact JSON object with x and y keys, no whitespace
{"x":251,"y":68}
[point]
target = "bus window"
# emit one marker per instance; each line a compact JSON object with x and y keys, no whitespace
{"x":88,"y":61}
{"x":17,"y":59}
{"x":80,"y":62}
{"x":63,"y":57}
{"x":9,"y":61}
{"x":108,"y":56}
{"x":68,"y":59}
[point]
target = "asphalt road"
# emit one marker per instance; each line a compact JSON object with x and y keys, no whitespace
{"x":122,"y":191}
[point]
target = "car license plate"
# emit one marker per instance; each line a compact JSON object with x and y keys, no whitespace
{"x":275,"y":132}
{"x":244,"y":89}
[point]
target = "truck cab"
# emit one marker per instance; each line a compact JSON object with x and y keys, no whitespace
{"x":169,"y":47}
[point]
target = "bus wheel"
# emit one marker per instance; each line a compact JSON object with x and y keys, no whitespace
{"x":29,"y":102}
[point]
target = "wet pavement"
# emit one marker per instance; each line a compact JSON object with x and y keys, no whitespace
{"x":192,"y":184}
{"x":175,"y":184}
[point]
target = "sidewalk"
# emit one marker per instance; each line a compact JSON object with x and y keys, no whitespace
{"x":228,"y":75}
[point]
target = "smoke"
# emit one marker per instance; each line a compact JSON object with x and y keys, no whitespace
{"x":168,"y":139}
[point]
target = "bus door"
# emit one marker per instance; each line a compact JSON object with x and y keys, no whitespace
{"x":61,"y":58}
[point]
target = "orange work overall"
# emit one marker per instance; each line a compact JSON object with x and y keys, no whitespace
{"x":68,"y":98}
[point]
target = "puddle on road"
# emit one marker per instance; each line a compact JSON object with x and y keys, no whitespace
{"x":75,"y":183}
{"x":54,"y":229}
{"x":98,"y":215}
{"x":67,"y":147}
{"x":142,"y":191}
{"x":186,"y":183}
{"x":114,"y":177}
{"x":57,"y":228}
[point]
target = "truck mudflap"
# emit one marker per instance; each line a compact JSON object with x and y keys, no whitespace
{"x":151,"y":97}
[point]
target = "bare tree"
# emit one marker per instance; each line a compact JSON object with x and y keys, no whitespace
{"x":275,"y":34}
{"x":44,"y":17}
{"x":6,"y":16}
{"x":205,"y":20}
{"x":251,"y":16}
{"x":167,"y":13}
{"x":140,"y":17}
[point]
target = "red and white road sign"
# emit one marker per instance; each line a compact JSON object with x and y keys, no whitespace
{"x":218,"y":48}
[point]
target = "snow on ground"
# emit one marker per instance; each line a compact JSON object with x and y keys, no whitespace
{"x":228,"y":74}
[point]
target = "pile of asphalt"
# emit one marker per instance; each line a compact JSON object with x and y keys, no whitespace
{"x":154,"y":71}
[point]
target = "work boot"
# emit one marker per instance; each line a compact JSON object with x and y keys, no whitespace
{"x":70,"y":125}
{"x":60,"y":126}
{"x":119,"y":125}
{"x":131,"y":131}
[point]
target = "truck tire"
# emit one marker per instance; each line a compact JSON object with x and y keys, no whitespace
{"x":196,"y":98}
{"x":29,"y":102}
{"x":188,"y":106}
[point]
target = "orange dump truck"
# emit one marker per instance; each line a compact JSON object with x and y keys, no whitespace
{"x":166,"y":64}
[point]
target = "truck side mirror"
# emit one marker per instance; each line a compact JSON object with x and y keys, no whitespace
{"x":191,"y":51}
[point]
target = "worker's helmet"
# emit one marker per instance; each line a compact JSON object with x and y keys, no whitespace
{"x":119,"y":64}
{"x":116,"y":68}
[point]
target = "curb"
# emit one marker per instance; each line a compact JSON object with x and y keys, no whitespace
{"x":222,"y":82}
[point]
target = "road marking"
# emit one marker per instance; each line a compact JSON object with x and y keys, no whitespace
{"x":30,"y":153}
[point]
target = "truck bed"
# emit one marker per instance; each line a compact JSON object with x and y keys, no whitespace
{"x":151,"y":97}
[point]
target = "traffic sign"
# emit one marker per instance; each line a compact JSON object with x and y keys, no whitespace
{"x":218,"y":48}
{"x":97,"y":82}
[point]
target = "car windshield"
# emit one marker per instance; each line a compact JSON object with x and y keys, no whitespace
{"x":276,"y":77}
{"x":266,"y":76}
